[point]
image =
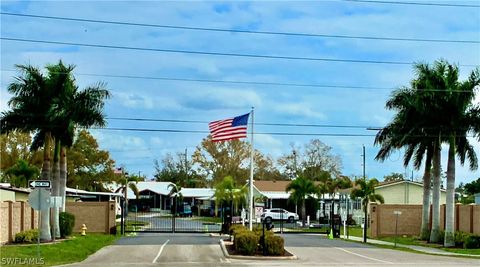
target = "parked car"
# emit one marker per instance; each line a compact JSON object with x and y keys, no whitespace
{"x":280,"y":214}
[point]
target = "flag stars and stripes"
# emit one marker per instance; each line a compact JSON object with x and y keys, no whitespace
{"x":229,"y":129}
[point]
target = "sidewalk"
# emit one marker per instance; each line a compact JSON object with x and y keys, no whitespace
{"x":428,"y":250}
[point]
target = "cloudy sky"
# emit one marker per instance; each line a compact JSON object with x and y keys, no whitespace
{"x":146,"y":96}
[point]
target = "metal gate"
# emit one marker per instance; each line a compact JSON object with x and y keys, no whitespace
{"x":156,"y":220}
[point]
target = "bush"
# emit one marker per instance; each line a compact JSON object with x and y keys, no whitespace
{"x":67,"y":221}
{"x":246,"y":242}
{"x":460,"y":238}
{"x":260,"y":238}
{"x":274,"y":245}
{"x":29,"y":236}
{"x":235,"y":228}
{"x":472,"y":241}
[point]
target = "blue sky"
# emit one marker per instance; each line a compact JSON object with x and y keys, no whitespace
{"x":147,"y":98}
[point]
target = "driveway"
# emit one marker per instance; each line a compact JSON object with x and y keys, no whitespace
{"x":149,"y":249}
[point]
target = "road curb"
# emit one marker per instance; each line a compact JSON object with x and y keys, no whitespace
{"x":238,"y":257}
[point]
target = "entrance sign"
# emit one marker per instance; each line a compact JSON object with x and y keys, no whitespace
{"x":40,"y":184}
{"x":39,"y":199}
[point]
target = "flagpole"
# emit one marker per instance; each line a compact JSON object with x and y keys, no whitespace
{"x":250,"y":202}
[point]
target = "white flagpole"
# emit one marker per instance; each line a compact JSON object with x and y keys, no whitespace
{"x":251,"y":206}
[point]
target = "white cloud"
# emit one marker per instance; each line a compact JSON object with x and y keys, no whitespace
{"x":299,"y":110}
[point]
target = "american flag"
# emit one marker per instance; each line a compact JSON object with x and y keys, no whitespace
{"x":229,"y":129}
{"x":118,"y":170}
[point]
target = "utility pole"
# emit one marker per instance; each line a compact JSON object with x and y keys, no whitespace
{"x":364,"y":178}
{"x":366,"y":215}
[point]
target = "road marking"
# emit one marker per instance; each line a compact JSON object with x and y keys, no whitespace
{"x":366,"y":257}
{"x":160,"y":251}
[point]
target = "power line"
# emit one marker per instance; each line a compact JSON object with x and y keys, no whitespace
{"x":248,"y":82}
{"x":413,"y":3}
{"x":256,"y":123}
{"x":212,"y":53}
{"x":297,"y":34}
{"x":207,"y":132}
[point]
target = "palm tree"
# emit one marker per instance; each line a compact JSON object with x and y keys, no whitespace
{"x":29,"y":105}
{"x":460,"y":121}
{"x":21,"y":173}
{"x":398,"y":134}
{"x":70,"y":109}
{"x":175,"y":193}
{"x":227,"y":193}
{"x":366,"y":192}
{"x":300,"y":189}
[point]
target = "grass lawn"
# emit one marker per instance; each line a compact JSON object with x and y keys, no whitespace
{"x":472,"y":251}
{"x":131,"y":225}
{"x":353,"y":231}
{"x":75,"y":249}
{"x":208,"y":219}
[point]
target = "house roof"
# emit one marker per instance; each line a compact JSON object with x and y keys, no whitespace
{"x":161,"y":188}
{"x":15,"y":189}
{"x":271,"y":186}
{"x":393,"y":183}
{"x":204,"y":193}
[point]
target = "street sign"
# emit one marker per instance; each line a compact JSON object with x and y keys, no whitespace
{"x":39,"y":199}
{"x":40,"y":184}
{"x":397,"y":212}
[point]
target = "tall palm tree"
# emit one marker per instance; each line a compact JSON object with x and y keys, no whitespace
{"x":460,"y":121}
{"x":31,"y":100}
{"x":398,"y":134}
{"x":71,"y":109}
{"x":300,"y":189}
{"x":366,"y":192}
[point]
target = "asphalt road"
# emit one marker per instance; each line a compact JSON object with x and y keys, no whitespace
{"x":202,"y":250}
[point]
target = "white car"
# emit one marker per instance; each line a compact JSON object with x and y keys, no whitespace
{"x":280,"y":214}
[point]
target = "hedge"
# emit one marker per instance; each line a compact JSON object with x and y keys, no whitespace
{"x":246,"y":242}
{"x":67,"y":221}
{"x":29,"y":236}
{"x":275,"y":245}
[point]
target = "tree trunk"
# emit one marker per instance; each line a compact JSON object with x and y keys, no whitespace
{"x":425,"y":229}
{"x":435,"y":233}
{"x":63,"y":176}
{"x":45,"y":234}
{"x":449,"y":240}
{"x":55,"y":186}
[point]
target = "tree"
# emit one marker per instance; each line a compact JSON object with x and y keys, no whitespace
{"x":179,"y":171}
{"x":365,"y":190}
{"x":16,"y":146}
{"x":315,"y":162}
{"x":394,"y":176}
{"x":216,"y":160}
{"x":300,"y":189}
{"x":473,"y":187}
{"x":89,"y":167}
{"x":29,"y":106}
{"x":229,"y":193}
{"x":20,"y":173}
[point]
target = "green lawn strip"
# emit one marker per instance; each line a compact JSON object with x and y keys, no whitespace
{"x":408,"y":249}
{"x":353,"y":231}
{"x":208,"y":219}
{"x":472,"y":251}
{"x":76,"y":249}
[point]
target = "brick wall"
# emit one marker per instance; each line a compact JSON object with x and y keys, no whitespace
{"x":16,"y":217}
{"x":382,"y":219}
{"x":19,"y":216}
{"x":99,"y":217}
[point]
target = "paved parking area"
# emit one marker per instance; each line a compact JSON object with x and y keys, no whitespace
{"x":150,"y":249}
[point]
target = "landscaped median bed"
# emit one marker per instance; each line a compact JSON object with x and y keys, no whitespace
{"x":76,"y":248}
{"x":250,"y":244}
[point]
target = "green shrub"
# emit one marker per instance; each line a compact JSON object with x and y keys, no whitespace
{"x":235,"y":228}
{"x":260,"y":238}
{"x":441,"y":237}
{"x":460,"y":238}
{"x":246,"y":242}
{"x":274,"y":244}
{"x":29,"y":236}
{"x":67,"y":221}
{"x":473,"y":241}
